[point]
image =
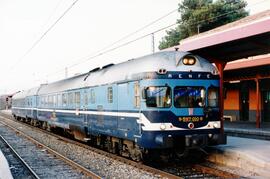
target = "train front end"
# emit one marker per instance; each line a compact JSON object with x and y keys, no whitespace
{"x":181,"y":106}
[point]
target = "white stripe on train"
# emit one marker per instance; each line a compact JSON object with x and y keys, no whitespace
{"x":147,"y":125}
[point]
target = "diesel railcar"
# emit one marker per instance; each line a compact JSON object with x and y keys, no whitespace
{"x":167,"y":102}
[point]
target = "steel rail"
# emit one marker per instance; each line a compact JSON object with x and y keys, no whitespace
{"x":203,"y":169}
{"x":58,"y":155}
{"x":32,"y":172}
{"x":138,"y":165}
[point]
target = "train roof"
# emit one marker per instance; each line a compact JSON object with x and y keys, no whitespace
{"x":62,"y":85}
{"x":126,"y":71}
{"x":25,"y":93}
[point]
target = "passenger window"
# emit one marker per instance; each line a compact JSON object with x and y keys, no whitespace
{"x":46,"y":100}
{"x":59,"y":100}
{"x":71,"y":99}
{"x":85,"y":98}
{"x":92,"y":96}
{"x":54,"y":100}
{"x":110,"y":94}
{"x":77,"y":99}
{"x":64,"y":99}
{"x":137,"y":95}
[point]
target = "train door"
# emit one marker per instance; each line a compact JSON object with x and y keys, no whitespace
{"x":244,"y":101}
{"x":122,"y":105}
{"x":266,"y":106}
{"x":128,"y":108}
{"x":85,"y":103}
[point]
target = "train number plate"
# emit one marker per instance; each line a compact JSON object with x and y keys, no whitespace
{"x":191,"y":119}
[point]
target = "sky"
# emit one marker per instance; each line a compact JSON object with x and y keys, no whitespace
{"x":83,"y":32}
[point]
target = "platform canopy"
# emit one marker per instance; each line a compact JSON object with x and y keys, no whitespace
{"x":246,"y":37}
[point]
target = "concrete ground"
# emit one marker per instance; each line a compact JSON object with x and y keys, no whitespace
{"x":252,"y":155}
{"x":4,"y":167}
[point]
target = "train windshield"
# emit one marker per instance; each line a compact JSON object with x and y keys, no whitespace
{"x":189,"y":97}
{"x":158,"y":97}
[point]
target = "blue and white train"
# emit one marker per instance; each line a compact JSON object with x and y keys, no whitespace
{"x":168,"y":101}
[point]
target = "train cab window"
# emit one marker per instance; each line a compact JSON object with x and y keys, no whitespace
{"x":158,"y":96}
{"x":77,"y":99}
{"x":110,"y":94}
{"x":64,"y":99}
{"x":189,"y":97}
{"x":213,"y":97}
{"x":92,"y":96}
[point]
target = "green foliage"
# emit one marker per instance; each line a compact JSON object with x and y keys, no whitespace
{"x":203,"y":15}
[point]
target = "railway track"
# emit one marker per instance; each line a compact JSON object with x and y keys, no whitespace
{"x":173,"y":171}
{"x":34,"y":151}
{"x":19,"y":167}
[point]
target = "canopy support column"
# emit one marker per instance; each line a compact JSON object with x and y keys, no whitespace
{"x":258,"y":95}
{"x":221,"y":66}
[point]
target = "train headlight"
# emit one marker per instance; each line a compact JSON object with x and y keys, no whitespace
{"x":190,"y":125}
{"x":162,"y":126}
{"x":215,"y":125}
{"x":189,"y":60}
{"x":185,"y":61}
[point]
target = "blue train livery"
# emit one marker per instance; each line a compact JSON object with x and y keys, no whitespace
{"x":167,"y":101}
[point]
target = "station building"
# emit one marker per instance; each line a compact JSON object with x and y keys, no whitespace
{"x":247,"y":89}
{"x":5,"y":102}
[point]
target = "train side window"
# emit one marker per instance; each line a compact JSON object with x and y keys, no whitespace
{"x":77,"y":99}
{"x":213,"y":94}
{"x":137,"y":100}
{"x":110,"y":94}
{"x":46,"y":100}
{"x":92,"y":96}
{"x":54,"y":100}
{"x":64,"y":99}
{"x":50,"y":102}
{"x":71,"y":99}
{"x":43,"y":101}
{"x":59,"y":100}
{"x":86,"y":98}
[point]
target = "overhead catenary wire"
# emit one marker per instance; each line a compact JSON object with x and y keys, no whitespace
{"x":43,"y":35}
{"x":120,"y":40}
{"x":140,"y":29}
{"x":100,"y":53}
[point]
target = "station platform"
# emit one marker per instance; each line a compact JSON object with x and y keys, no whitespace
{"x":247,"y":130}
{"x":4,"y":167}
{"x":251,"y":155}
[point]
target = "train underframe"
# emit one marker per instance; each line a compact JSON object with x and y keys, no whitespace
{"x":176,"y":146}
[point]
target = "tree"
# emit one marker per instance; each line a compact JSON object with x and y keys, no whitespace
{"x":202,"y":15}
